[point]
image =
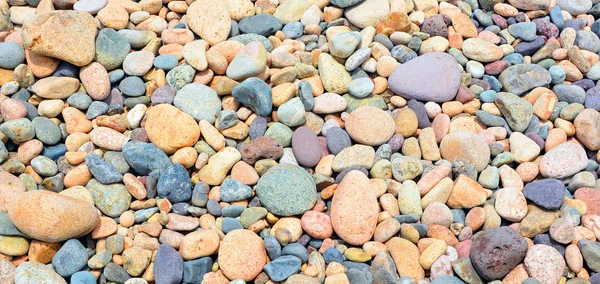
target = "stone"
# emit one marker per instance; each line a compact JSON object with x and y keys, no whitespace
{"x":481,"y":50}
{"x":492,"y":263}
{"x":242,"y":254}
{"x":262,"y":24}
{"x":35,"y":272}
{"x":334,"y":76}
{"x":406,"y":257}
{"x":370,"y":126}
{"x":168,"y":265}
{"x":250,"y":61}
{"x":367,"y":13}
{"x":11,"y":54}
{"x":546,"y":193}
{"x":174,"y":184}
{"x":520,"y":78}
{"x":466,"y":145}
{"x":256,"y":93}
{"x":564,"y":160}
{"x":199,"y":101}
{"x":587,"y":128}
{"x":294,"y":196}
{"x":102,"y":171}
{"x":199,"y":244}
{"x":291,"y":11}
{"x":435,"y":69}
{"x":511,"y":204}
{"x":55,"y":87}
{"x":544,"y":263}
{"x":66,"y":35}
{"x":306,"y":147}
{"x":111,"y":48}
{"x":111,"y":199}
{"x":71,"y":257}
{"x":48,"y":216}
{"x":282,"y":267}
{"x":354,"y":209}
{"x":517,"y":111}
{"x":160,"y":128}
{"x":210,"y":20}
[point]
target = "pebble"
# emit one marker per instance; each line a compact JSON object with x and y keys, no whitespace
{"x":370,"y":126}
{"x":35,"y":272}
{"x":71,"y":257}
{"x":296,"y":196}
{"x":354,"y":213}
{"x":491,"y":264}
{"x":546,"y":193}
{"x":11,"y":54}
{"x":306,"y":147}
{"x":66,"y":35}
{"x":443,"y":73}
{"x":28,"y":215}
{"x":162,"y":118}
{"x":564,"y":160}
{"x":242,"y":255}
{"x":544,"y":263}
{"x":465,"y":145}
{"x":168,"y":265}
{"x":199,"y":101}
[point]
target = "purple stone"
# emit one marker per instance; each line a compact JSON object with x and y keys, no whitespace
{"x":546,"y":193}
{"x":306,"y":147}
{"x":433,"y":76}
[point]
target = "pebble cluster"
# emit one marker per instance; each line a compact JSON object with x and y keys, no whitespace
{"x":299,"y":141}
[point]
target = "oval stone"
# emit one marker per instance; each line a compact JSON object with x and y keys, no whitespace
{"x":354,"y":209}
{"x":306,"y":147}
{"x":437,"y":71}
{"x":287,"y":190}
{"x":242,"y":254}
{"x":52,"y":217}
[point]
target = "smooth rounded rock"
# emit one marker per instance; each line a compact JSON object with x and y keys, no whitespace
{"x":354,"y":209}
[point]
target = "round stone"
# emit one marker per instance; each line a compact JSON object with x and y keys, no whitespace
{"x":171,"y":129}
{"x":495,"y":252}
{"x":466,"y":145}
{"x":287,"y":190}
{"x":370,"y":126}
{"x":199,"y":101}
{"x":564,"y":160}
{"x":544,"y":263}
{"x":242,"y":254}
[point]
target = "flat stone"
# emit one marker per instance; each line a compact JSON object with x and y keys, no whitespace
{"x":66,"y":35}
{"x":210,"y":20}
{"x":521,"y":78}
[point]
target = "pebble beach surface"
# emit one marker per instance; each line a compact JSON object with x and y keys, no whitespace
{"x":299,"y":141}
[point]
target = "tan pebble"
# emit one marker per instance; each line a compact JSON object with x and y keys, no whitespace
{"x":291,"y":224}
{"x":244,"y":173}
{"x":406,"y":258}
{"x":345,"y":203}
{"x":126,"y":219}
{"x":106,"y":227}
{"x":242,"y":255}
{"x":186,"y":157}
{"x":199,"y":244}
